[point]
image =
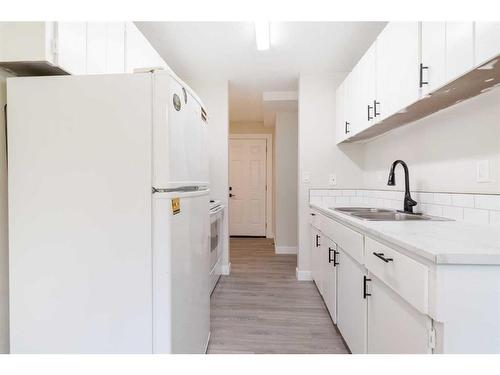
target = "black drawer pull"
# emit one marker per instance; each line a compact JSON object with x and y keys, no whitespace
{"x":381,"y":256}
{"x":335,"y":253}
{"x":365,"y":294}
{"x":330,"y":260}
{"x":317,"y":240}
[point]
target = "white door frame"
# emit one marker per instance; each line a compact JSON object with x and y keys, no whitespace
{"x":269,"y":176}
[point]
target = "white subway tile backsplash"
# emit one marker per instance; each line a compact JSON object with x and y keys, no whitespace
{"x":487,"y":202}
{"x":329,"y":201}
{"x":432,"y":209}
{"x":455,"y":213}
{"x":462,"y":200}
{"x":335,"y":193}
{"x":426,"y":197}
{"x":356,"y":200}
{"x":349,"y":193}
{"x":495,"y":217}
{"x":342,"y":200}
{"x":478,"y":208}
{"x":474,"y":215}
{"x":440,"y":198}
{"x":316,"y":200}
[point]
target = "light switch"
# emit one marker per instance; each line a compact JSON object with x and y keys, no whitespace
{"x":306,"y":178}
{"x":483,"y":171}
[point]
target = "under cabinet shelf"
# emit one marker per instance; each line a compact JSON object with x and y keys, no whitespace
{"x":477,"y":81}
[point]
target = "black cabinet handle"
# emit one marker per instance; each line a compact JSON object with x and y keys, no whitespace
{"x":369,"y":107}
{"x":312,"y":214}
{"x":330,"y":260}
{"x":365,"y":294}
{"x":422,"y":82}
{"x":317,"y":240}
{"x":375,"y":104}
{"x":382,"y":257}
{"x":335,"y":253}
{"x":347,"y":127}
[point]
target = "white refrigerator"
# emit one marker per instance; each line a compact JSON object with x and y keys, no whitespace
{"x":108,"y":215}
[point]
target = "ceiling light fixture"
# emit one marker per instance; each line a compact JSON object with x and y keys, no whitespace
{"x":262,"y":35}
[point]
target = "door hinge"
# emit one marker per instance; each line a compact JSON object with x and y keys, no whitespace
{"x":432,"y":338}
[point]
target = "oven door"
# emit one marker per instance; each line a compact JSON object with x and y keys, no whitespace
{"x":215,"y":226}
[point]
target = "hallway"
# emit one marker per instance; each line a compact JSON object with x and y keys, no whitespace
{"x":262,"y":308}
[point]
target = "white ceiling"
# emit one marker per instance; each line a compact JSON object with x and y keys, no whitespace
{"x":207,"y":50}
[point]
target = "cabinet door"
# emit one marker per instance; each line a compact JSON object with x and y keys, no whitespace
{"x":96,"y":47}
{"x":315,"y":256}
{"x":330,"y":277}
{"x":459,"y":48}
{"x":367,"y":84}
{"x":349,"y":124}
{"x":395,"y":327}
{"x":115,"y":47}
{"x":397,"y":65}
{"x":433,"y":56}
{"x":351,"y":319}
{"x":339,"y":113}
{"x":487,"y":41}
{"x":72,"y":46}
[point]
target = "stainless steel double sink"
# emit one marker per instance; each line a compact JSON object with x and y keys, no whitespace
{"x":383,"y":214}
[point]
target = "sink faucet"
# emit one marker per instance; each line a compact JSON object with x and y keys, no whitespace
{"x":408,"y":202}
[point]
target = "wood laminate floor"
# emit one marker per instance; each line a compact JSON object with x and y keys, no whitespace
{"x":262,"y":308}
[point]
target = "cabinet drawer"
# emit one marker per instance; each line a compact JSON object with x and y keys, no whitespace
{"x":349,"y":240}
{"x":405,"y":276}
{"x":314,"y":219}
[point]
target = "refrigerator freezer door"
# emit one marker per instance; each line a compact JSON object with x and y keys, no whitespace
{"x":80,"y":214}
{"x":180,"y":155}
{"x":181,"y":295}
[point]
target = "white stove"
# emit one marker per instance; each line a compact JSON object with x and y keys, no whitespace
{"x":216,"y":233}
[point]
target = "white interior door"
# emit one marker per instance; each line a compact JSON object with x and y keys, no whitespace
{"x":247,"y":181}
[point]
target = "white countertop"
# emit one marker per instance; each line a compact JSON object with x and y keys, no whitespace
{"x":441,"y":242}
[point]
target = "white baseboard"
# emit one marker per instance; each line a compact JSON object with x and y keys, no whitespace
{"x":286,"y":249}
{"x":303,"y":275}
{"x":225,"y":269}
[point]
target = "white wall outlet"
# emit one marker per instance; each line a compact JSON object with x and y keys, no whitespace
{"x":483,"y":171}
{"x":306,"y":177}
{"x":332,"y":179}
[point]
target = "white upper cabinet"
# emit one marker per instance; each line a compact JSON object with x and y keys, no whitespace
{"x":433,"y":63}
{"x":45,"y":48}
{"x":72,"y":46}
{"x":459,"y":48}
{"x":487,"y":41}
{"x":340,"y":112}
{"x":96,"y":47}
{"x":407,"y":63}
{"x":115,"y":47}
{"x":368,"y":104}
{"x":398,"y":48}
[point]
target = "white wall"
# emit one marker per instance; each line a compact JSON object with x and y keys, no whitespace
{"x":4,"y":250}
{"x":441,"y":150}
{"x":286,"y":181}
{"x":318,"y":154}
{"x":215,"y":96}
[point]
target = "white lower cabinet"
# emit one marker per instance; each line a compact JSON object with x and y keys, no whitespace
{"x":352,"y":317}
{"x":329,"y":276}
{"x":394,"y":326}
{"x":316,"y":257}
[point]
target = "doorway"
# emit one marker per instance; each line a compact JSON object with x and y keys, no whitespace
{"x":250,"y":198}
